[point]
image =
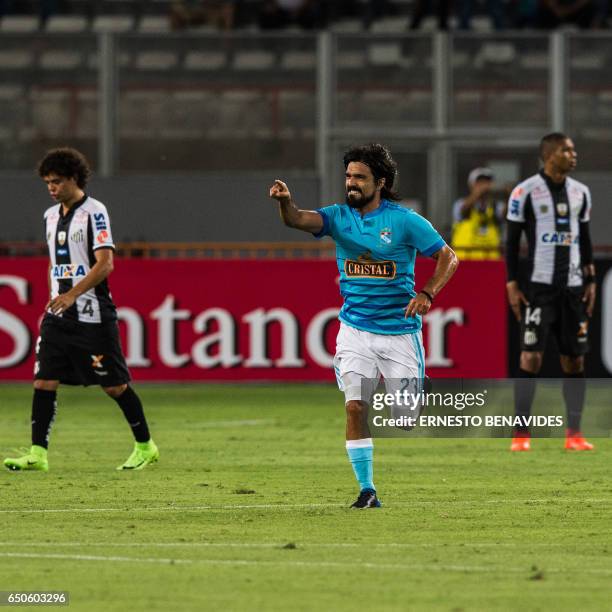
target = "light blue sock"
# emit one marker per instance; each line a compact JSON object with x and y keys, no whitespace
{"x":361,"y":454}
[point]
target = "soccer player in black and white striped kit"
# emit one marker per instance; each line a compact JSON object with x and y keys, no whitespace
{"x":554,"y":212}
{"x":79,"y":336}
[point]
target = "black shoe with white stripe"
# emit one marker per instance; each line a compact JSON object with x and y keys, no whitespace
{"x":367,"y":499}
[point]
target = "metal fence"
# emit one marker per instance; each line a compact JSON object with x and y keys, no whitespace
{"x":248,"y":102}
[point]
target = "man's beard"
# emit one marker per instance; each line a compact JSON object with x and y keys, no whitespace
{"x":359,"y":203}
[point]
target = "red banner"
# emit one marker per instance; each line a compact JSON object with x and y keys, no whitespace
{"x":254,"y":320}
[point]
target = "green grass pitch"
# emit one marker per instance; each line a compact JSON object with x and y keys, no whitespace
{"x":248,"y":510}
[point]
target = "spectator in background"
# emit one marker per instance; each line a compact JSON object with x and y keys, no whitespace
{"x":477,"y":219}
{"x":189,"y":13}
{"x":554,"y":13}
{"x":46,"y":8}
{"x":307,"y":14}
{"x":422,"y":8}
{"x":495,"y":10}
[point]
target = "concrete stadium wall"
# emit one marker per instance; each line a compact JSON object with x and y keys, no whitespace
{"x":223,"y":207}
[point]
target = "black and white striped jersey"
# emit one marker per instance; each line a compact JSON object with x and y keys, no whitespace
{"x":553,"y":216}
{"x":72,"y":240}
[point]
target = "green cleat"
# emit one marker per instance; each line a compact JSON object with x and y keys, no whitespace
{"x":34,"y":460}
{"x":143,"y":454}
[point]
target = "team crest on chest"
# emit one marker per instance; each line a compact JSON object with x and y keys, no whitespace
{"x":61,"y":238}
{"x":562,"y":209}
{"x":385,"y":235}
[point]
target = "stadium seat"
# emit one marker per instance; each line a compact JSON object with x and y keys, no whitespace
{"x":383,"y":106}
{"x":347,"y":26}
{"x":19,"y":23}
{"x":194,"y":108}
{"x":156,"y":60}
{"x":299,"y":60}
{"x":348,"y":60}
{"x":481,"y":23}
{"x":142,"y":112}
{"x":67,"y":24}
{"x":50,"y":112}
{"x":254,"y":60}
{"x":385,"y":54}
{"x":113,"y":23}
{"x":205,"y":60}
{"x":124,"y":60}
{"x":10,"y":92}
{"x":60,"y":60}
{"x":535,"y":61}
{"x":459,"y":59}
{"x":495,"y":53}
{"x":604,"y":113}
{"x":154,"y":24}
{"x":86,"y":113}
{"x":591,"y":61}
{"x":390,"y":25}
{"x":16,"y":60}
{"x":297,"y":108}
{"x":245,"y":110}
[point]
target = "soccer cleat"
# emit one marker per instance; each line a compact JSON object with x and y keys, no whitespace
{"x":367,"y":499}
{"x":35,"y":460}
{"x":143,"y":454}
{"x":574,"y":441}
{"x":521,"y":442}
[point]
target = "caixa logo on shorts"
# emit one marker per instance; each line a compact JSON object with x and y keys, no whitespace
{"x":68,"y":271}
{"x":366,"y":267}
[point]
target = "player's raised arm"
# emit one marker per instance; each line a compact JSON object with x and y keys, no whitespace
{"x":292,"y":216}
{"x":446,"y":265}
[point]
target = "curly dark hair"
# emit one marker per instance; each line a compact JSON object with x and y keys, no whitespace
{"x":65,"y":162}
{"x":378,"y":159}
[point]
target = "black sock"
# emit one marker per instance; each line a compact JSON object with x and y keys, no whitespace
{"x":130,"y":403}
{"x":524,"y":391}
{"x":574,"y":389}
{"x":44,"y":405}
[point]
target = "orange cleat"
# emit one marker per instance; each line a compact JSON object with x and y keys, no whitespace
{"x":574,"y":441}
{"x":521,"y":442}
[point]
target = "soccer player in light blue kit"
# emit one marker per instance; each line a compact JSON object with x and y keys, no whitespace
{"x":377,"y":241}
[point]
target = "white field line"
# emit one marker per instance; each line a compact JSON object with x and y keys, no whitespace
{"x":304,"y":564}
{"x":282,"y":506}
{"x":280,"y":545}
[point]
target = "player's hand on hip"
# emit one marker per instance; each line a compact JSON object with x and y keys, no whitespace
{"x":418,"y":305}
{"x":590,"y":292}
{"x":516,"y":299}
{"x":279,"y":191}
{"x":61,"y":303}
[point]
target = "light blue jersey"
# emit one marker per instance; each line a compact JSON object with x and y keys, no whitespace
{"x":375,"y":255}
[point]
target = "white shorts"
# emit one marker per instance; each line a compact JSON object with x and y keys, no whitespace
{"x":363,"y":355}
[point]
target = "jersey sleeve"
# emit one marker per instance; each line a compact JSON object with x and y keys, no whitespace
{"x":516,"y":204}
{"x":329,"y":214}
{"x":422,"y":235}
{"x":101,"y":229}
{"x":585,"y":212}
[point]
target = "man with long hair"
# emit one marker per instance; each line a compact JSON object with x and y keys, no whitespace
{"x":377,"y":241}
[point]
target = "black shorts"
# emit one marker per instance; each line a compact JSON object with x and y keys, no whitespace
{"x":559,"y":310}
{"x":80,"y":353}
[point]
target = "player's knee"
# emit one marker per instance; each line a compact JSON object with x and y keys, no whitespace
{"x":531,"y":361}
{"x":572,"y":365}
{"x":46,"y":385}
{"x":114,"y":392}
